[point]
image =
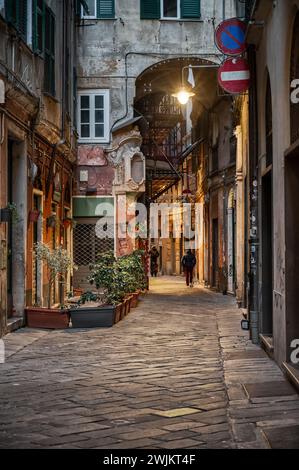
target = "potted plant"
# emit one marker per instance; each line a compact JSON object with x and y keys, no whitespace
{"x":68,"y":221}
{"x":51,"y":221}
{"x":9,"y":213}
{"x":34,"y":215}
{"x":103,"y":308}
{"x":58,"y":263}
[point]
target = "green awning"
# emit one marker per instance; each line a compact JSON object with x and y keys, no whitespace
{"x":90,"y":206}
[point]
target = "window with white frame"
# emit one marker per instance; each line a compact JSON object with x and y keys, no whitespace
{"x":170,"y":9}
{"x":101,"y":9}
{"x":93,"y":116}
{"x":92,"y":9}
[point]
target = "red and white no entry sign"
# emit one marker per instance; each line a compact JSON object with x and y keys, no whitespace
{"x":234,"y":75}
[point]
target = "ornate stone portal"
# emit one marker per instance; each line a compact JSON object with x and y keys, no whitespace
{"x":128,"y":161}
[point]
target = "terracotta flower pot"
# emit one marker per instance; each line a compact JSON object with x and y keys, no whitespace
{"x":128,"y":301}
{"x":34,"y":215}
{"x":123,"y":310}
{"x":134,"y":301}
{"x":50,"y":318}
{"x":118,"y":312}
{"x":66,"y":223}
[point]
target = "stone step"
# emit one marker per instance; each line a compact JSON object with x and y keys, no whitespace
{"x":292,"y":374}
{"x":267,"y":344}
{"x":14,"y":323}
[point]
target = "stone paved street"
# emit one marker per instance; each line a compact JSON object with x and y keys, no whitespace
{"x":176,"y":373}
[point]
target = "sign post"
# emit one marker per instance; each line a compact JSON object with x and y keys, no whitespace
{"x":230,"y":37}
{"x":234,"y":75}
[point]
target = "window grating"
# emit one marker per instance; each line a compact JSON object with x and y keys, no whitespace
{"x":87,"y":246}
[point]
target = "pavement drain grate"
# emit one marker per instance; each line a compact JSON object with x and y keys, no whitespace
{"x":176,"y":412}
{"x":269,"y":389}
{"x":283,"y":438}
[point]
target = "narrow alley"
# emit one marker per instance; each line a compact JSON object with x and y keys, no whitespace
{"x":178,"y":372}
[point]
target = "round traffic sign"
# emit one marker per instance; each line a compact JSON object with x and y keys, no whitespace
{"x":230,"y":37}
{"x":234,"y":75}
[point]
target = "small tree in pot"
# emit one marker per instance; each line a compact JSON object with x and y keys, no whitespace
{"x":58,"y":263}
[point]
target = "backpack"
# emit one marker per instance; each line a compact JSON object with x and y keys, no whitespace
{"x":189,"y":261}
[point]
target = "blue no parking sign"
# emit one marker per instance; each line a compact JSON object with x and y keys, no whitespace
{"x":230,"y":37}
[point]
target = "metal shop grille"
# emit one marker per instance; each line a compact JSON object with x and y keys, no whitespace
{"x":87,"y":246}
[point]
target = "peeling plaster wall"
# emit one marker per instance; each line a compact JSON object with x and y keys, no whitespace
{"x":275,"y":55}
{"x":103,"y":45}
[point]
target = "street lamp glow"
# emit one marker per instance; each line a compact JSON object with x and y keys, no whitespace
{"x":183,"y":95}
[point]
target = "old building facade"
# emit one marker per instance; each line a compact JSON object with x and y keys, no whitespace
{"x":272,"y":184}
{"x":37,"y":145}
{"x":130,"y":62}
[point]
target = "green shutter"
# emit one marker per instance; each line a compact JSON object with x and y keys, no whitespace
{"x":16,"y":14}
{"x":49,"y":70}
{"x":105,"y":9}
{"x":22,"y":18}
{"x":190,"y":8}
{"x":11,"y":11}
{"x":150,"y":9}
{"x":38,"y":26}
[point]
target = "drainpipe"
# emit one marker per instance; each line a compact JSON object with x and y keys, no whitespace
{"x":253,"y":294}
{"x":223,"y":9}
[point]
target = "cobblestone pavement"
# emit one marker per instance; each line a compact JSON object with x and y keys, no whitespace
{"x":176,"y":373}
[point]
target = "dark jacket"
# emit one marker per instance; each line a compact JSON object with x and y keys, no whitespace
{"x":189,"y":261}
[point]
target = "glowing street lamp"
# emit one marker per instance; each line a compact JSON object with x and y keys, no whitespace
{"x":183,"y":95}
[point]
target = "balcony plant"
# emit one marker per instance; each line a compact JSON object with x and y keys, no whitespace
{"x":9,"y":213}
{"x":34,"y":215}
{"x":58,"y":263}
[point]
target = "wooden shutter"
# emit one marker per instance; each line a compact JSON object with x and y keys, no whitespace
{"x":38,"y":25}
{"x":11,"y":11}
{"x":22,"y":18}
{"x":190,"y":8}
{"x":49,"y":81}
{"x":105,"y":9}
{"x":150,"y":9}
{"x":16,"y":14}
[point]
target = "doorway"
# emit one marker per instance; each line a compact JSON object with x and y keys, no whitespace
{"x":292,"y":252}
{"x":267,"y":255}
{"x":10,"y":232}
{"x":215,"y":250}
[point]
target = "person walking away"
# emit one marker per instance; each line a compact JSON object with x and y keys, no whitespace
{"x":188,"y":263}
{"x":154,"y":254}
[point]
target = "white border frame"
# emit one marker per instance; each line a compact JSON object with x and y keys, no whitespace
{"x":178,"y":17}
{"x":93,"y":92}
{"x":93,"y":17}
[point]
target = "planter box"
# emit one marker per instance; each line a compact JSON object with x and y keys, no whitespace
{"x":128,"y":304}
{"x":118,"y":313}
{"x":123,"y":310}
{"x":134,"y":301}
{"x":50,"y":318}
{"x":93,"y":317}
